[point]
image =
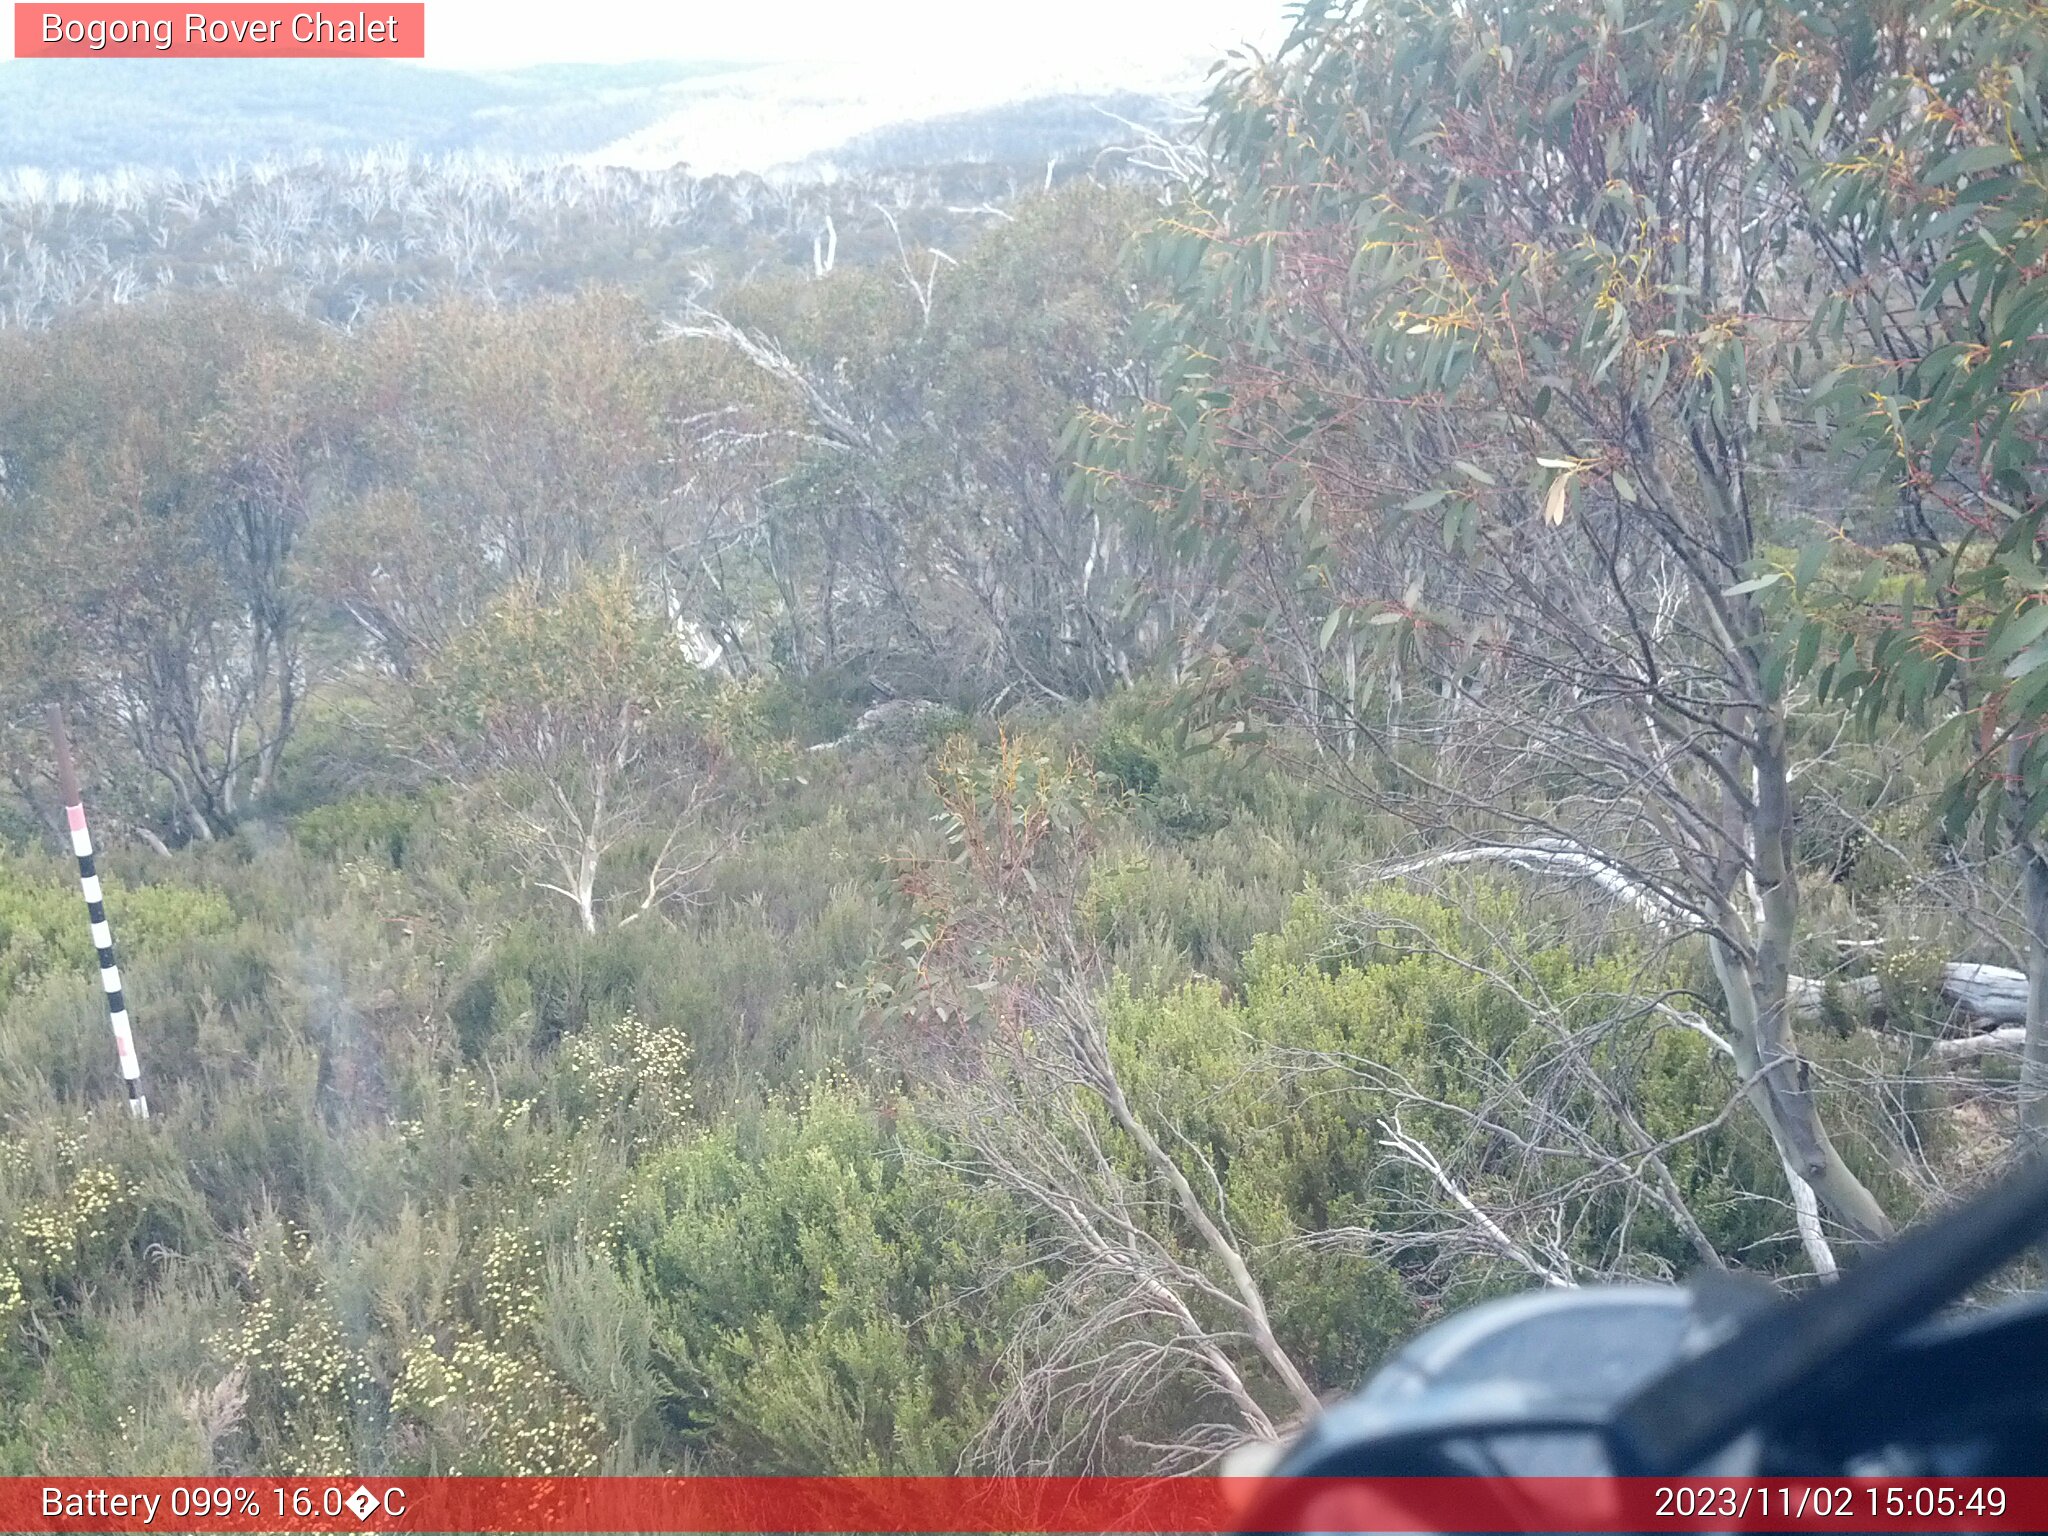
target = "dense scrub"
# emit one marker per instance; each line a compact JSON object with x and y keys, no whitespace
{"x":435,"y":1181}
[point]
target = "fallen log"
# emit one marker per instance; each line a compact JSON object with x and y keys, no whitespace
{"x":2013,"y":1038}
{"x":1556,"y":856}
{"x":1991,"y":994}
{"x":1994,"y":993}
{"x":892,"y":722}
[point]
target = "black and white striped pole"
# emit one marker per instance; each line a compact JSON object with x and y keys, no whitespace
{"x":96,"y":911}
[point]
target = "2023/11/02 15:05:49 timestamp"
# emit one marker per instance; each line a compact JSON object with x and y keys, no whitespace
{"x":1821,"y":1500}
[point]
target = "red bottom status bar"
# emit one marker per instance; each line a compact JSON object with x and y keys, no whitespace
{"x":1049,"y":1505}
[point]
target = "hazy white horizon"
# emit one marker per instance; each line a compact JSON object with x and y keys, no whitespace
{"x":815,"y":74}
{"x":787,"y":85}
{"x":901,"y":36}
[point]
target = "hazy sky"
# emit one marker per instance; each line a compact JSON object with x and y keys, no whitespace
{"x":946,"y":35}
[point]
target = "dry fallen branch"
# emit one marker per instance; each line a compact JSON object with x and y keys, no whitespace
{"x":1414,"y":1153}
{"x":2012,"y":1039}
{"x":1996,"y":994}
{"x":1559,"y":857}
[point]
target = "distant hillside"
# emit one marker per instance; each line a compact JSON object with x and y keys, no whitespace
{"x":338,"y":186}
{"x":1012,"y":133}
{"x":188,"y":115}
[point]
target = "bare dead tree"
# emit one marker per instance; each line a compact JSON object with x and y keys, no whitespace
{"x":1153,"y":1291}
{"x":566,"y":717}
{"x":922,"y":289}
{"x":837,"y":423}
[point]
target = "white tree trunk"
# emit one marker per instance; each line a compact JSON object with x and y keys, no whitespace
{"x":2034,"y":1056}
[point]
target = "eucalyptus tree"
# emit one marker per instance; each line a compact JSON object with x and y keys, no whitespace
{"x":160,"y":468}
{"x":564,"y":716}
{"x":488,"y":450}
{"x":1926,"y":197}
{"x":921,"y":535}
{"x":1483,"y":358}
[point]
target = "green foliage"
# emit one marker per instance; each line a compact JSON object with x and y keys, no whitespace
{"x":559,"y":668}
{"x":1138,"y":761}
{"x":1288,"y":1164}
{"x":1419,"y":994}
{"x":43,"y":927}
{"x":64,"y":1212}
{"x":831,"y":1295}
{"x":381,"y":825}
{"x":629,"y":1078}
{"x":304,"y":1379}
{"x":484,"y":1404}
{"x":160,"y":464}
{"x":936,"y":409}
{"x":1127,"y":763}
{"x":1946,"y":424}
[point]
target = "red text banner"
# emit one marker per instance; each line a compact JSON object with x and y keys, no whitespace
{"x":1048,"y":1505}
{"x":373,"y":31}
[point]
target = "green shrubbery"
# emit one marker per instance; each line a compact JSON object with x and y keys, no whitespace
{"x":671,"y":1195}
{"x":42,"y":926}
{"x":1390,"y":1005}
{"x":831,"y":1295}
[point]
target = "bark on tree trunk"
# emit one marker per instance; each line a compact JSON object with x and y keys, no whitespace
{"x":586,"y":888}
{"x":1806,"y":1216}
{"x":2034,"y":1053}
{"x":1758,"y":992}
{"x":1777,"y":1088}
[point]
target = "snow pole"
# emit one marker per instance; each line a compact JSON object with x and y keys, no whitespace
{"x":96,"y":913}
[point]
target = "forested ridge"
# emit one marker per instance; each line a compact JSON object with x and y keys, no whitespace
{"x":986,"y":820}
